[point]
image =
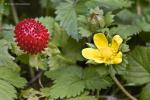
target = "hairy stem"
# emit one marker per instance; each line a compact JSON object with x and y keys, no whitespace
{"x":122,"y":88}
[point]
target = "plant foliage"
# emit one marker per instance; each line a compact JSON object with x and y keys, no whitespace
{"x":60,"y":72}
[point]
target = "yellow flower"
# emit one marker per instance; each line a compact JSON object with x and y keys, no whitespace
{"x":105,"y":53}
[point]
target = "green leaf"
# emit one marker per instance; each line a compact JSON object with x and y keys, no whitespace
{"x":4,"y":10}
{"x":7,"y":91}
{"x":24,"y":58}
{"x":31,"y":94}
{"x":84,"y":26}
{"x":57,"y":2}
{"x":76,"y":80}
{"x":59,"y":37}
{"x":109,"y":18}
{"x":93,"y":80}
{"x":144,"y":95}
{"x":45,"y":91}
{"x":138,"y":70}
{"x":84,"y":97}
{"x":102,"y":70}
{"x":7,"y":32}
{"x":63,"y":72}
{"x":124,"y":47}
{"x":125,"y":31}
{"x":59,"y":61}
{"x":48,"y":22}
{"x":84,"y":32}
{"x":68,"y":82}
{"x":109,"y":4}
{"x":52,"y":50}
{"x":71,"y":89}
{"x":142,"y":57}
{"x":72,"y":50}
{"x":143,"y":24}
{"x":56,"y":59}
{"x":66,"y":14}
{"x":15,"y":48}
{"x":6,"y":60}
{"x":126,"y":16}
{"x":33,"y":61}
{"x":12,"y":77}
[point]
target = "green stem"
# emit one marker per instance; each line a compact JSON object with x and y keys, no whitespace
{"x":31,"y":72}
{"x":1,"y":14}
{"x":138,"y":8}
{"x":14,"y":12}
{"x":40,"y":82}
{"x":47,"y":9}
{"x":0,"y":22}
{"x":122,"y":88}
{"x":97,"y":93}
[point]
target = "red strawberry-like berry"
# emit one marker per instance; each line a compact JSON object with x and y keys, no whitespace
{"x":31,"y":36}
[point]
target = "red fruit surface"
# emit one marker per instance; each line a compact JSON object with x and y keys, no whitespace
{"x":31,"y":36}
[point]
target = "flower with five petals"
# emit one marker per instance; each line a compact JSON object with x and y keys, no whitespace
{"x":105,"y":53}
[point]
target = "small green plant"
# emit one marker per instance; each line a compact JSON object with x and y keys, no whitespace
{"x":75,"y":50}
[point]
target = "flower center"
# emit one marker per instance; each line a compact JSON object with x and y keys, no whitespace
{"x":106,"y":52}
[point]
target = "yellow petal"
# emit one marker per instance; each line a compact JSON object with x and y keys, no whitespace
{"x":116,"y":41}
{"x":117,"y":59}
{"x":100,"y":40}
{"x":92,"y":54}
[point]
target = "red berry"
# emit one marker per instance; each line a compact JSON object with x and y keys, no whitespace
{"x":31,"y":36}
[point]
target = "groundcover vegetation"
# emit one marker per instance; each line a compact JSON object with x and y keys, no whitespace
{"x":74,"y":49}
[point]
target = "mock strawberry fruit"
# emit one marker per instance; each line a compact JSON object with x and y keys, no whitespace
{"x":31,"y":36}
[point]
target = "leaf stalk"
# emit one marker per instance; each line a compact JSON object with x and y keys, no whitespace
{"x":121,"y":87}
